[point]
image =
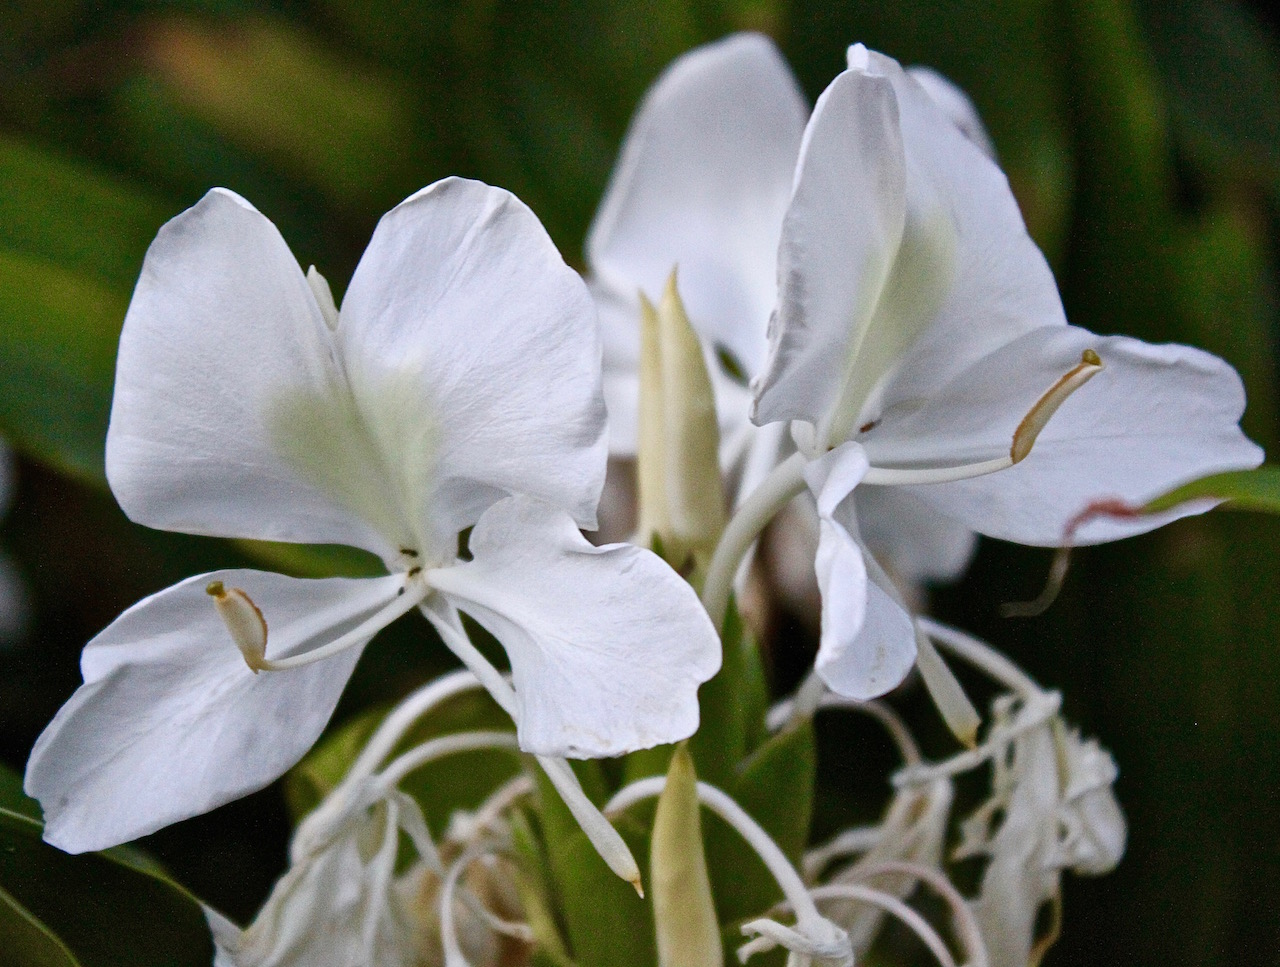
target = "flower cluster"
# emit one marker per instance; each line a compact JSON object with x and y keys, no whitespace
{"x":836,"y":313}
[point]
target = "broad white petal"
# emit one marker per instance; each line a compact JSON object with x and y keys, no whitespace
{"x":607,"y":644}
{"x":913,"y":539}
{"x":999,"y":285}
{"x":1156,"y":416}
{"x":702,"y":183}
{"x":839,"y":242}
{"x":228,"y":396}
{"x":170,"y":722}
{"x":867,"y":644}
{"x":956,"y":105}
{"x":474,"y":356}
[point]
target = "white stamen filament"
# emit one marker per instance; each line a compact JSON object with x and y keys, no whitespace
{"x":892,"y":905}
{"x":966,"y":924}
{"x":440,"y":748}
{"x":455,"y":638}
{"x":453,"y":955}
{"x":380,"y":871}
{"x":1038,"y":710}
{"x":906,"y":476}
{"x":234,"y":609}
{"x":403,"y":717}
{"x":788,"y":709}
{"x":849,"y":842}
{"x":792,"y":886}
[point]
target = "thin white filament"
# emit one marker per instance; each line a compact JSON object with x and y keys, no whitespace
{"x":381,"y":870}
{"x":908,"y":476}
{"x":785,"y":711}
{"x":414,"y":593}
{"x":445,"y":745}
{"x":608,"y":843}
{"x":788,"y":880}
{"x":494,"y":682}
{"x":891,"y":905}
{"x":967,"y":929}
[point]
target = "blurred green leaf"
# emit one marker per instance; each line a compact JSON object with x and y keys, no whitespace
{"x":104,"y":911}
{"x":26,"y":941}
{"x":13,"y":798}
{"x":732,"y":706}
{"x":1242,"y":489}
{"x":71,"y":245}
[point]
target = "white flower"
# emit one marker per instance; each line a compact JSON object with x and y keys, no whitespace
{"x":458,"y":387}
{"x":919,"y":343}
{"x":1051,"y":792}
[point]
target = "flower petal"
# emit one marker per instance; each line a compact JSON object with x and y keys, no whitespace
{"x":170,"y":722}
{"x":839,"y":242}
{"x":702,"y":183}
{"x":955,"y":104}
{"x":911,"y":537}
{"x":607,"y":644}
{"x":1156,"y":416}
{"x":222,"y":346}
{"x":1000,"y":285}
{"x":474,"y":357}
{"x":868,"y":644}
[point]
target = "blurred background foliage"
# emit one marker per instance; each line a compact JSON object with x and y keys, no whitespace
{"x":1142,"y":138}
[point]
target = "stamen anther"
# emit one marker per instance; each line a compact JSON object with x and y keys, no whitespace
{"x":244,"y":621}
{"x":1024,"y":437}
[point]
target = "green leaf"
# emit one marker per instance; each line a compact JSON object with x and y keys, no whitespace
{"x":104,"y":911}
{"x":26,"y":941}
{"x":1241,"y":489}
{"x":606,"y":924}
{"x":13,"y":798}
{"x":733,"y":706}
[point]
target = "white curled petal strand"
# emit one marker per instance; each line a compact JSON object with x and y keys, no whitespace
{"x":1153,"y":417}
{"x":867,"y":644}
{"x":473,"y":354}
{"x":839,"y":240}
{"x":170,"y":711}
{"x":223,"y":348}
{"x":702,"y":183}
{"x":607,"y":644}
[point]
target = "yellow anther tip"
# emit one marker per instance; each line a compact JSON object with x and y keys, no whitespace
{"x":1090,"y":358}
{"x":215,"y":589}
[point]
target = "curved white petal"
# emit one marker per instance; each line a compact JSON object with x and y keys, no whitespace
{"x":702,"y":183}
{"x":607,"y":644}
{"x":473,"y":354}
{"x":223,"y":352}
{"x":868,"y":644}
{"x":912,"y":538}
{"x":1156,"y":416}
{"x":839,"y":242}
{"x":999,"y":284}
{"x":955,"y":104}
{"x":170,"y":722}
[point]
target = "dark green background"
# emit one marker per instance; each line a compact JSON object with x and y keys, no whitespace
{"x":1142,"y":140}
